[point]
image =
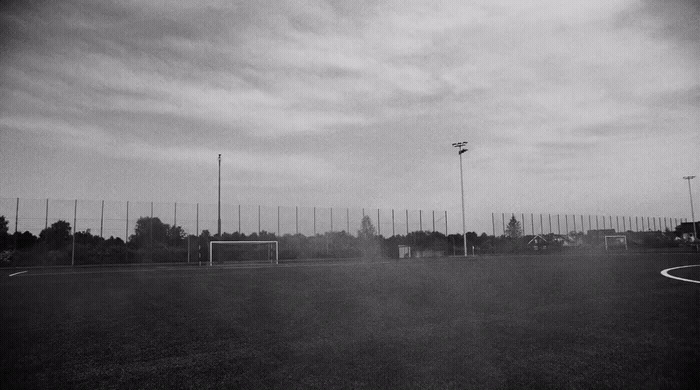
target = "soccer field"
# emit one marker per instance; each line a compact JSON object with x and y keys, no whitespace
{"x":494,"y":322}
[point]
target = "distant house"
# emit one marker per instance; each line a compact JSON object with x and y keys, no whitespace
{"x":601,"y":232}
{"x":685,"y":230}
{"x":537,"y":243}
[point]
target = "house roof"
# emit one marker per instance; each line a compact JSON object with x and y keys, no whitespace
{"x":537,"y":239}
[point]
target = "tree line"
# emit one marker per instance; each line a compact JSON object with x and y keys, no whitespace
{"x":156,"y":241}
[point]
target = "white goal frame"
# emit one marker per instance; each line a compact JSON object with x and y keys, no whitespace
{"x":211,"y":246}
{"x":616,"y":237}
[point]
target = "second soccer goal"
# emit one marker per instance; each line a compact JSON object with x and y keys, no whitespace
{"x":222,"y":252}
{"x":615,"y":242}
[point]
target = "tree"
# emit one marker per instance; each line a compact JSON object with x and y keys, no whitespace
{"x":57,"y":235}
{"x":4,"y":237}
{"x":367,"y":229}
{"x":513,"y":229}
{"x":150,"y":231}
{"x":367,"y":237}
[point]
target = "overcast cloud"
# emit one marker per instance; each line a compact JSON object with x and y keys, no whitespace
{"x":570,"y":108}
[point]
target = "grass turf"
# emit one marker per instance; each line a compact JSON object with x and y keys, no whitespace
{"x":502,"y":322}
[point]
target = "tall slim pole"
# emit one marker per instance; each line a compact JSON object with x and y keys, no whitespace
{"x":347,"y":218}
{"x":393,"y":227}
{"x":406,"y":222}
{"x":445,"y":223}
{"x":46,"y":223}
{"x":102,"y":217}
{"x":126,"y":234}
{"x":493,"y":225}
{"x":379,"y":225}
{"x":16,"y":215}
{"x":218,"y":229}
{"x":75,"y":230}
{"x":461,"y":146}
{"x":692,"y":210}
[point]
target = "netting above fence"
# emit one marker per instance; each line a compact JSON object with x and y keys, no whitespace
{"x":118,"y":219}
{"x":532,"y":224}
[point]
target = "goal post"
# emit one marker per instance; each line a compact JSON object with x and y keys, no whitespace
{"x":615,"y":242}
{"x":270,"y":246}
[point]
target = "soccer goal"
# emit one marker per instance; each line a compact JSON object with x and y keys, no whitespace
{"x":243,"y":251}
{"x":615,"y":242}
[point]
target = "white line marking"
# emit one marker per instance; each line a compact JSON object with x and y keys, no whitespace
{"x":17,"y":273}
{"x":205,"y":270}
{"x":666,"y":273}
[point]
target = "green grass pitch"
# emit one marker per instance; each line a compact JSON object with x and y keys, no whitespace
{"x":496,"y":322}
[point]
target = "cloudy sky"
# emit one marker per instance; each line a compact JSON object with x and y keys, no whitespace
{"x":568,"y":107}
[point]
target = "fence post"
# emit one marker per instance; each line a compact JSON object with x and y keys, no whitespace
{"x":420,"y":220}
{"x":258,"y":219}
{"x":541,"y":225}
{"x":102,"y":217}
{"x":196,"y":223}
{"x":278,"y":221}
{"x":150,"y":235}
{"x":75,"y":230}
{"x":558,"y":225}
{"x":16,"y":215}
{"x":407,"y":222}
{"x":314,"y":220}
{"x":379,"y":225}
{"x":46,"y":223}
{"x":126,"y":234}
{"x":331,"y":219}
{"x":493,"y":225}
{"x":566,"y":223}
{"x":239,"y":219}
{"x":175,"y":216}
{"x":393,"y":229}
{"x":445,"y":223}
{"x":532,"y":223}
{"x":433,"y":220}
{"x":296,"y":218}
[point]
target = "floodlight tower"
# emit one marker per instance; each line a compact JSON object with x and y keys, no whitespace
{"x":218,"y":230}
{"x":692,"y":212}
{"x":462,"y":148}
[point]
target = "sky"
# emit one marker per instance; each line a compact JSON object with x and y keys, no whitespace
{"x":589,"y":107}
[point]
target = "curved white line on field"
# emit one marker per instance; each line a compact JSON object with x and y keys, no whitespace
{"x":666,"y":273}
{"x":17,"y":273}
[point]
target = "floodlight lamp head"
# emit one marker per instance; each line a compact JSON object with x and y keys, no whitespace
{"x":462,"y":151}
{"x":688,"y":177}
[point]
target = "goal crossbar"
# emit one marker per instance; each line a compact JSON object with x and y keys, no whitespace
{"x":211,"y":246}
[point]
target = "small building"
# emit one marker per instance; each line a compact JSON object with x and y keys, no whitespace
{"x":537,"y":243}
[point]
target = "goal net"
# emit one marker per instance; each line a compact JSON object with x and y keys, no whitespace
{"x":243,"y":252}
{"x":615,"y":243}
